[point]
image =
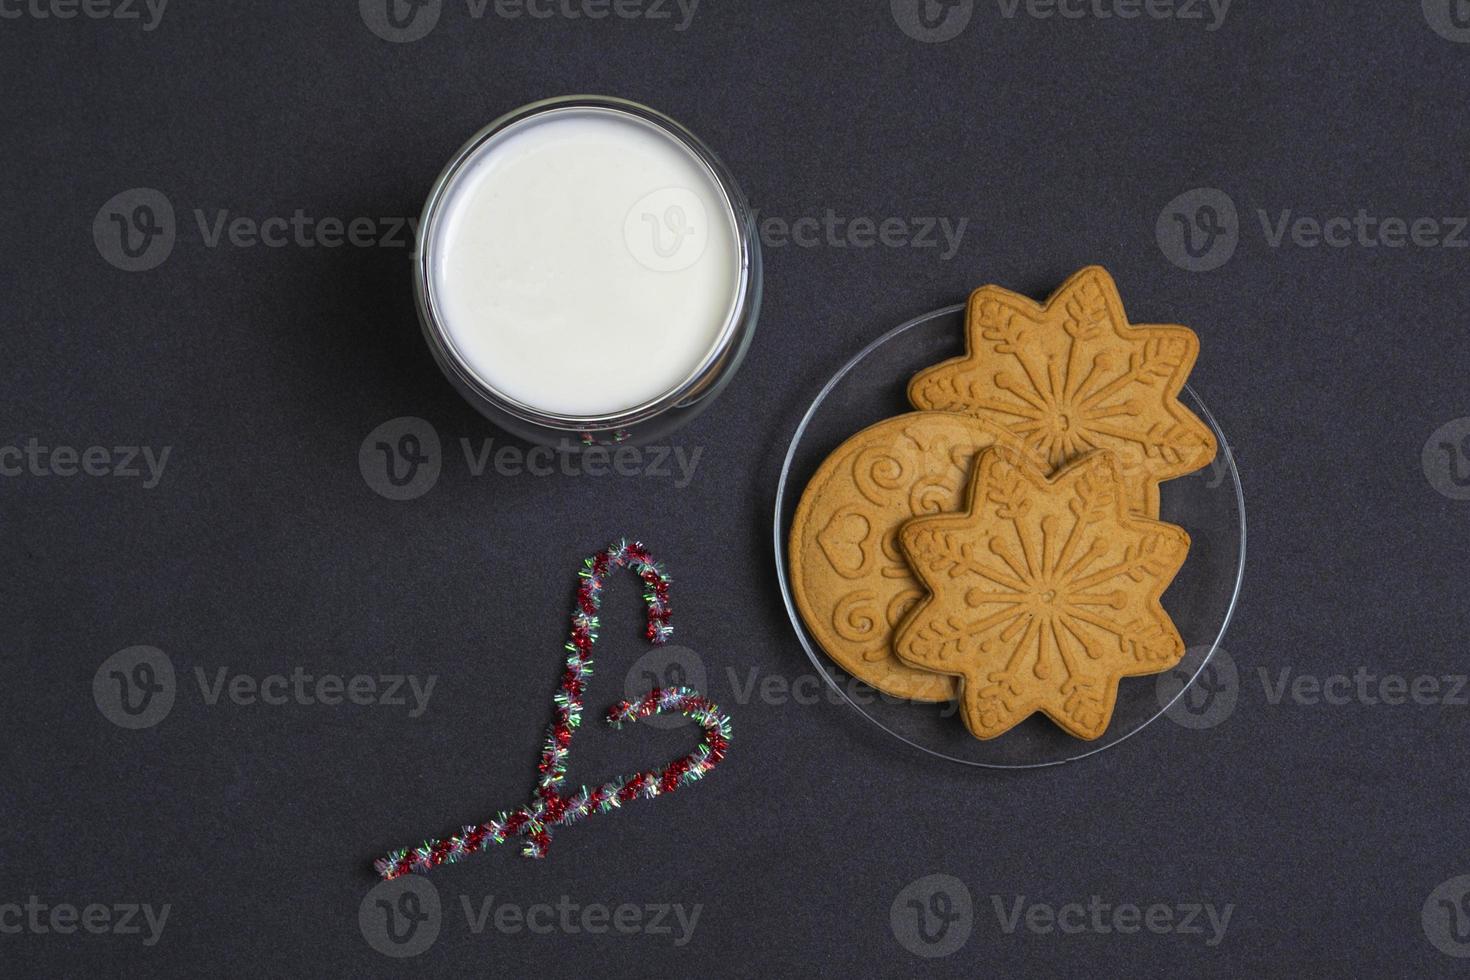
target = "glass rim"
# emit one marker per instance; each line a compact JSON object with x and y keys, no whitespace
{"x":816,"y":657}
{"x":452,"y":359}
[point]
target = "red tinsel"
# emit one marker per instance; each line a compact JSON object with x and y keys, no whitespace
{"x":548,"y":808}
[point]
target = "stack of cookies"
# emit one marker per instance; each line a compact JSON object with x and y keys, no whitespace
{"x":1001,"y":544}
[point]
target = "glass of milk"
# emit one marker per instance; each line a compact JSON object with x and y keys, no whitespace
{"x":587,"y":272}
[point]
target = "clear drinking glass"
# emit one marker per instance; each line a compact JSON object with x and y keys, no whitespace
{"x":655,"y":417}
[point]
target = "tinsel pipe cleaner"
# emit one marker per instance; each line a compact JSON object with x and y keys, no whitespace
{"x":548,"y":808}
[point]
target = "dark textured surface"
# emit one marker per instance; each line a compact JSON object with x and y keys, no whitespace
{"x":262,"y":549}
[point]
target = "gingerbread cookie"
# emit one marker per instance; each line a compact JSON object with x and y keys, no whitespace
{"x":850,"y":581}
{"x":1043,"y":593}
{"x":1073,"y":376}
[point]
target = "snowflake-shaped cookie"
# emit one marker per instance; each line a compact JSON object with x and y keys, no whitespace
{"x":1042,"y":594}
{"x":1073,"y":376}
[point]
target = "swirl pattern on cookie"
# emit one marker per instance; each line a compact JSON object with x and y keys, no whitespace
{"x":852,"y":583}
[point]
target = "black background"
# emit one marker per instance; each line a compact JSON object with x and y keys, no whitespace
{"x":263,"y":549}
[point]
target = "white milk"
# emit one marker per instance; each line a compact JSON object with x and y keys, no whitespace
{"x":585,"y":262}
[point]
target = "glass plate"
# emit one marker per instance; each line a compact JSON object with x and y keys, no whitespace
{"x":1208,"y":504}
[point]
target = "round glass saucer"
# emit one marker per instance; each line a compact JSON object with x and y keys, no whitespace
{"x":1208,"y":504}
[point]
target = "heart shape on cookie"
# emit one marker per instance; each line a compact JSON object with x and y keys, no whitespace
{"x":845,"y":542}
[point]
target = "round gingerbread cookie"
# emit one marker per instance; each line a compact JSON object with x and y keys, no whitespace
{"x":851,"y":581}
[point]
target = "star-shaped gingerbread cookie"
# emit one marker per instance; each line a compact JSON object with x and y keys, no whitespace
{"x":849,"y":579}
{"x":1072,"y":376}
{"x":1042,"y":594}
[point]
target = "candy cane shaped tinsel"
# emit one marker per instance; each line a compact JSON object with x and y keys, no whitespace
{"x":548,"y":808}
